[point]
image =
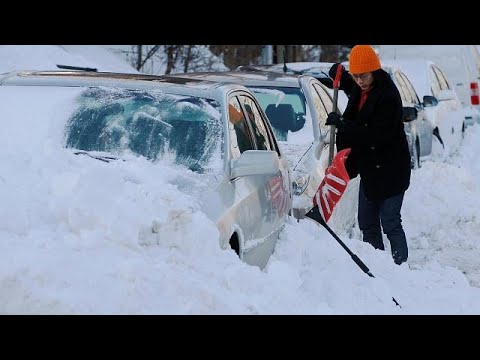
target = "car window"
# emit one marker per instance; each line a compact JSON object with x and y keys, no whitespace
{"x":256,"y":122}
{"x":326,"y":99}
{"x":408,"y":91}
{"x":281,"y":95}
{"x":318,"y":104}
{"x":444,"y":85}
{"x":402,"y":88}
{"x":327,"y":106}
{"x":411,"y":90}
{"x":434,"y":83}
{"x":240,"y":135}
{"x":286,"y":109}
{"x":152,"y":124}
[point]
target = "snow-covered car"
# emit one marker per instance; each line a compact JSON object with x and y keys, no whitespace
{"x":445,"y":112}
{"x":215,"y":135}
{"x":461,"y":63}
{"x":418,"y":128}
{"x":297,"y":107}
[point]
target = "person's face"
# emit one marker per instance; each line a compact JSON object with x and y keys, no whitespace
{"x":364,"y":80}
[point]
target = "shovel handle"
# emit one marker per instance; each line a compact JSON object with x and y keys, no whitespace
{"x":338,"y":75}
{"x":336,"y":84}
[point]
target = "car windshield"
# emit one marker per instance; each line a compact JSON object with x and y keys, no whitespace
{"x":107,"y":123}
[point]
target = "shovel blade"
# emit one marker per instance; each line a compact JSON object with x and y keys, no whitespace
{"x":333,"y":185}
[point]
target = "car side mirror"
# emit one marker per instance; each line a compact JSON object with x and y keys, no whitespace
{"x":410,"y":113}
{"x":255,"y":162}
{"x":429,"y":101}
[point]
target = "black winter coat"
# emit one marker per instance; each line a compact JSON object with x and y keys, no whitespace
{"x":377,"y":138}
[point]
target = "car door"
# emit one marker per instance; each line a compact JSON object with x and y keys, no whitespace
{"x":315,"y":160}
{"x":409,"y":127}
{"x":416,"y":130}
{"x":424,"y":127}
{"x":449,"y":112}
{"x":262,"y":202}
{"x":278,"y":185}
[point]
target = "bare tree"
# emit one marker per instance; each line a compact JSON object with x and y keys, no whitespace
{"x":173,"y":54}
{"x":200,"y":58}
{"x":150,"y":53}
{"x":170,"y":59}
{"x":138,"y":59}
{"x":187,"y":58}
{"x":235,"y":55}
{"x":330,"y":53}
{"x":311,"y":52}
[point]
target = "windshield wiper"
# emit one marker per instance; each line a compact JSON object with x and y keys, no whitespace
{"x":103,"y":158}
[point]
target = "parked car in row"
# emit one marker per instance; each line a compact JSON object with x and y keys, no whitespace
{"x":417,"y":127}
{"x":461,"y":63}
{"x":318,"y":70}
{"x":297,"y":107}
{"x":216,"y":133}
{"x":446,"y":112}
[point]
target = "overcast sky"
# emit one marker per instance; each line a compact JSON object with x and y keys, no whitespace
{"x":72,"y":233}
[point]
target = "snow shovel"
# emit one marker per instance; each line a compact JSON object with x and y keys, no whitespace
{"x":333,"y":185}
{"x":336,"y":84}
{"x":329,"y":193}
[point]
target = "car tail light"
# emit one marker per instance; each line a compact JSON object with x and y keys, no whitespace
{"x":474,"y":93}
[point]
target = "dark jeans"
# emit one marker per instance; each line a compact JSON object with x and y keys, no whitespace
{"x":386,"y":212}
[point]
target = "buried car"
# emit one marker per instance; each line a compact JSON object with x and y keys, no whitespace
{"x":297,"y":107}
{"x":204,"y":129}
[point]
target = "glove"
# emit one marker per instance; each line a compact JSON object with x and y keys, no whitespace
{"x":346,"y":81}
{"x":333,"y":71}
{"x":335,"y":119}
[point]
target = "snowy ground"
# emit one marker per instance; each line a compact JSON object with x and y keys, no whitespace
{"x":70,"y":244}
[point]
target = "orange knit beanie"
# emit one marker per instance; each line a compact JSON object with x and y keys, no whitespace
{"x":363,"y":59}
